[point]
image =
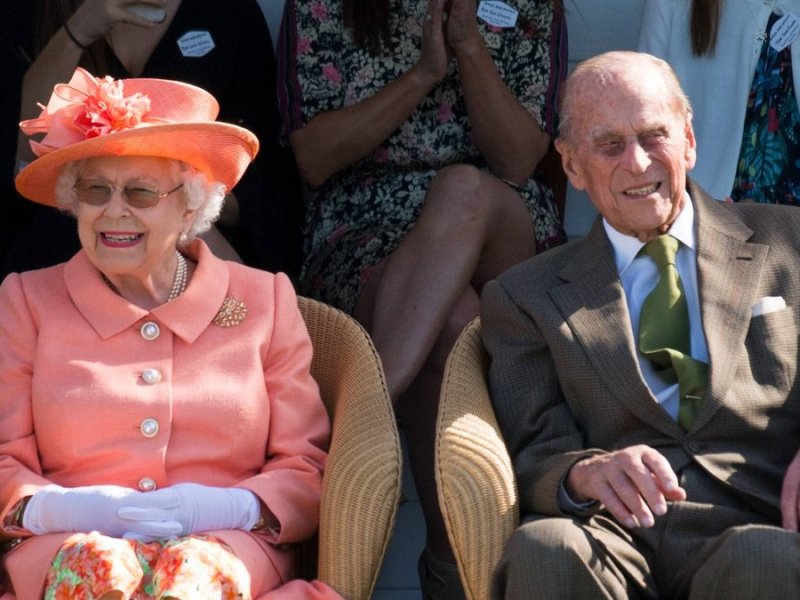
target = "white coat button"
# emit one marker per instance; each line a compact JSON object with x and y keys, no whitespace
{"x":150,"y":331}
{"x":151,"y":376}
{"x":146,"y":484}
{"x":149,"y":428}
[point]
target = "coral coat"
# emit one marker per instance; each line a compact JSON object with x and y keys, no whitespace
{"x":235,"y":405}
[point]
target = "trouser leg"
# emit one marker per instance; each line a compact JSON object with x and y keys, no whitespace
{"x":749,"y":562}
{"x":563,"y":558}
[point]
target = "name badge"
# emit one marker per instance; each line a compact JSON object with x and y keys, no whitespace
{"x":195,"y":44}
{"x":497,"y":14}
{"x":784,"y":31}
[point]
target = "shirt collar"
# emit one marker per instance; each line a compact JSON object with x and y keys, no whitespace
{"x":187,"y":316}
{"x":627,"y":247}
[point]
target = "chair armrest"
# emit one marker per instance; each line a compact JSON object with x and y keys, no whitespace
{"x":474,"y":476}
{"x":362,"y":480}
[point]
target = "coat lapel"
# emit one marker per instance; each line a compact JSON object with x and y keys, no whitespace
{"x":728,"y":274}
{"x":592,"y":302}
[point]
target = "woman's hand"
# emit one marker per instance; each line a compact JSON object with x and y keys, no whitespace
{"x":434,"y":54}
{"x":462,"y":27}
{"x":95,"y":18}
{"x":187,"y":508}
{"x":82,"y":509}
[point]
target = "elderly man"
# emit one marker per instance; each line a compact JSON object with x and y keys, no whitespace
{"x":645,"y":377}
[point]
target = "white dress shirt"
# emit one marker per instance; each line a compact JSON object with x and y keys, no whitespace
{"x":639,"y":276}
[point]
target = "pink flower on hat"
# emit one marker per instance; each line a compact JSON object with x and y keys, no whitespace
{"x":85,"y":108}
{"x":107,"y":109}
{"x":91,"y":117}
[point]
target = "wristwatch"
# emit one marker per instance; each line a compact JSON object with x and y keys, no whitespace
{"x":260,"y":521}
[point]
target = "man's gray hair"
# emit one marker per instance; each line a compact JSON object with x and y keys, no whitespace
{"x":606,"y":68}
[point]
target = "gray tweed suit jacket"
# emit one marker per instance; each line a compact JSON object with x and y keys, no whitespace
{"x":565,"y":381}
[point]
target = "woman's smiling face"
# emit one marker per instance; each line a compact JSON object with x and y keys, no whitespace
{"x":125,"y":241}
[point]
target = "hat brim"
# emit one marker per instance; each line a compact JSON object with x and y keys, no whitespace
{"x":221,"y":151}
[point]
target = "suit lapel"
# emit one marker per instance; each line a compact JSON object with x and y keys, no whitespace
{"x":728,"y":274}
{"x":592,"y":302}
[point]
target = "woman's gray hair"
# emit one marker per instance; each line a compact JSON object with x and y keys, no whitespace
{"x":204,"y":197}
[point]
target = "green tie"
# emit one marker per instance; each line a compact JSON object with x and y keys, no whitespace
{"x":664,"y":331}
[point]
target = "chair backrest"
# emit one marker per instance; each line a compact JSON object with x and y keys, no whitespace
{"x":362,"y":481}
{"x":474,"y":476}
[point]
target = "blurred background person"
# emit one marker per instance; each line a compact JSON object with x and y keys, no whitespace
{"x":736,"y":60}
{"x":418,"y":126}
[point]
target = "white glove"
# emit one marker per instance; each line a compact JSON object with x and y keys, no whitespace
{"x":82,"y":509}
{"x":187,"y":508}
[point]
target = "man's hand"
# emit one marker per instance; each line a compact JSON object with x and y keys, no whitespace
{"x":790,"y":495}
{"x":634,"y":484}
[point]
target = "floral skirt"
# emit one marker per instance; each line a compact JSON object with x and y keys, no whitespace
{"x":87,"y":566}
{"x":358,"y":220}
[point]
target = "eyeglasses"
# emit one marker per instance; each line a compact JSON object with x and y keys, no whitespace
{"x":97,"y":193}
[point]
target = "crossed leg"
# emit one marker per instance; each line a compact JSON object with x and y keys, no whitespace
{"x":416,"y":301}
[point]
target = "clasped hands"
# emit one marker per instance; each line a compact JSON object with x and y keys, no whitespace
{"x":450,"y":27}
{"x":174,"y":511}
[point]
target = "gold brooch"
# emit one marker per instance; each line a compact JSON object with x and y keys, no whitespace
{"x":231,"y":313}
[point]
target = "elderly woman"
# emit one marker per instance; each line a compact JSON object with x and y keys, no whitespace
{"x":160,"y":433}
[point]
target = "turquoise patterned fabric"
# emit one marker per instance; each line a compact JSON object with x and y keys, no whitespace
{"x":769,"y":162}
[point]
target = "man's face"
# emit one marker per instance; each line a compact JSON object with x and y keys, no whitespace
{"x":630,"y":151}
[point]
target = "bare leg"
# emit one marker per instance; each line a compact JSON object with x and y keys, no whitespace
{"x":416,"y":302}
{"x":418,"y":409}
{"x":471,"y":228}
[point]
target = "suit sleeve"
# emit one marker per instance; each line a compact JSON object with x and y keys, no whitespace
{"x":20,"y":469}
{"x":542,"y":437}
{"x":291,"y":480}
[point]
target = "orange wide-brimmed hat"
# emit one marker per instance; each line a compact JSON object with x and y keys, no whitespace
{"x":90,"y":117}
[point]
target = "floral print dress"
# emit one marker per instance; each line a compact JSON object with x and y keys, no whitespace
{"x":769,"y":162}
{"x":88,"y":566}
{"x":359,"y":215}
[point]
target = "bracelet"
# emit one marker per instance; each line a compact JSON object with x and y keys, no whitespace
{"x":72,"y":37}
{"x":15,"y":518}
{"x":260,"y":521}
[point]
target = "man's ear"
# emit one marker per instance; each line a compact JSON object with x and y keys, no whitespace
{"x":690,"y":154}
{"x":570,"y":164}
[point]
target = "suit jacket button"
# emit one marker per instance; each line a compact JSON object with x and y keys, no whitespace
{"x":150,"y":331}
{"x":149,"y":428}
{"x":146,"y":484}
{"x":151,"y":376}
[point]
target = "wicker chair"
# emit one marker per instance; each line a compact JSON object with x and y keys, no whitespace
{"x":361,"y":486}
{"x":474,"y":477}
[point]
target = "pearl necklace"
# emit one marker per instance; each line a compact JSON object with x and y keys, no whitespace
{"x":179,"y":283}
